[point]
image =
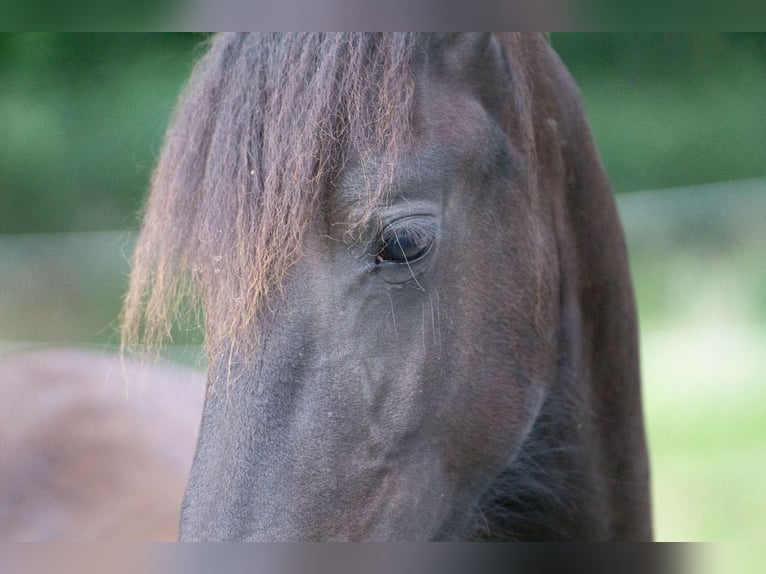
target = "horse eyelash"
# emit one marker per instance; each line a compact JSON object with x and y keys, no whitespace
{"x":414,"y":231}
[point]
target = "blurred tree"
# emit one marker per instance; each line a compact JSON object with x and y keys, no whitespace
{"x":673,"y":109}
{"x":83,"y":115}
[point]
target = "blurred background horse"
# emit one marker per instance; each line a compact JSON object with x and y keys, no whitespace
{"x":93,"y":448}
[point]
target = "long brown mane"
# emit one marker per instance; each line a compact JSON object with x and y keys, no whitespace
{"x":264,"y":125}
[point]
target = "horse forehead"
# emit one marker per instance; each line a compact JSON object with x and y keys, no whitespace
{"x":453,"y":132}
{"x":452,"y":115}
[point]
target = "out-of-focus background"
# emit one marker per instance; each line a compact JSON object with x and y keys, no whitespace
{"x":680,"y":120}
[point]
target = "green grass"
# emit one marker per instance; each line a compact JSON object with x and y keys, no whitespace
{"x":700,"y":274}
{"x":706,"y":418}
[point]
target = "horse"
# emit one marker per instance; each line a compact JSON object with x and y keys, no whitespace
{"x":94,"y":447}
{"x":419,"y":317}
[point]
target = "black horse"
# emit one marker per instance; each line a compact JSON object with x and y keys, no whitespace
{"x":419,"y":315}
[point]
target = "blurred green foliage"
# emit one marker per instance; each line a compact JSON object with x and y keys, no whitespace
{"x":114,"y":15}
{"x":83,"y":115}
{"x":673,"y":109}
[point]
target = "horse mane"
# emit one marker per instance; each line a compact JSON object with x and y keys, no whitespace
{"x":263,"y":127}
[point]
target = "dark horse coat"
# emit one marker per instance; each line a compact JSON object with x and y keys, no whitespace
{"x":419,"y":314}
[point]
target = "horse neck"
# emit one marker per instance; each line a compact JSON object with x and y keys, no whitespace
{"x":554,"y":489}
{"x":583,"y":472}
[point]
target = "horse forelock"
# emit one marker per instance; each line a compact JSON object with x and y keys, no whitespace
{"x":262,"y":130}
{"x":264,"y":125}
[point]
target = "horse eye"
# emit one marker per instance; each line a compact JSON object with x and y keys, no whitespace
{"x":404,"y":244}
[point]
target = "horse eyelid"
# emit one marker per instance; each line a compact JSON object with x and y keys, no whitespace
{"x":411,"y":229}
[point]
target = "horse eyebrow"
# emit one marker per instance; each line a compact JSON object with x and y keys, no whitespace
{"x":410,"y":175}
{"x":423,"y":174}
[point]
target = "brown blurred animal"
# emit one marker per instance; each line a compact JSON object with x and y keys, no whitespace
{"x":93,"y":448}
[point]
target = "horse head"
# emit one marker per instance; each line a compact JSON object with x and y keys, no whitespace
{"x":419,"y":316}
